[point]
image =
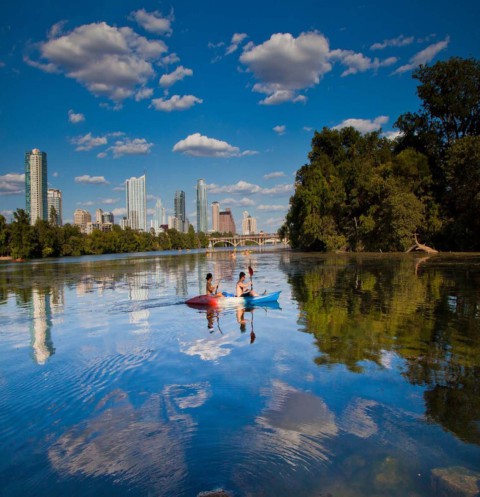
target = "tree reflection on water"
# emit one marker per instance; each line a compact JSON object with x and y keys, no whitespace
{"x":426,"y":310}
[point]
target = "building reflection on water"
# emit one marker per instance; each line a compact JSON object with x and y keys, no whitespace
{"x":40,"y":326}
{"x":138,"y":285}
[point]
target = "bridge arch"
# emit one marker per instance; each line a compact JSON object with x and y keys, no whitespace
{"x":229,"y":242}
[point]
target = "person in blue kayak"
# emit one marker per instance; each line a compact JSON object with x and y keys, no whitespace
{"x":242,"y":289}
{"x":211,"y":289}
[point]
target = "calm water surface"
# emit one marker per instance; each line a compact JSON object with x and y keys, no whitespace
{"x":363,"y":380}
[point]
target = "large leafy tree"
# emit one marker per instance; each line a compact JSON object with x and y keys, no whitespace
{"x":462,"y":170}
{"x":23,"y":243}
{"x":450,"y":110}
{"x":356,"y":194}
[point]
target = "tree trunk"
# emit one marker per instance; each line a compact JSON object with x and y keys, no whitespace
{"x":421,"y":247}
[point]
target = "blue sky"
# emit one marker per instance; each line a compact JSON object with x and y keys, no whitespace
{"x":229,"y":92}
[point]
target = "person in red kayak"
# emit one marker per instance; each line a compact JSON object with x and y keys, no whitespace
{"x":242,"y":287}
{"x":211,"y":289}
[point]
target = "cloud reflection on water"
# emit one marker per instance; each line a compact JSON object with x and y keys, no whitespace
{"x":145,"y":445}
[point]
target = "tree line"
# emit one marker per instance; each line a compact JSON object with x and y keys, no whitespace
{"x":20,"y":240}
{"x":365,"y":192}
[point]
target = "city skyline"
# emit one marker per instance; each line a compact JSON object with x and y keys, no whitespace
{"x":182,"y":91}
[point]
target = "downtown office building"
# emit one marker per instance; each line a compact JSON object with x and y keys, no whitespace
{"x":36,"y":185}
{"x":136,"y":203}
{"x":202,"y":219}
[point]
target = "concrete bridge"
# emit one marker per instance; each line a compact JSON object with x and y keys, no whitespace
{"x":260,"y":239}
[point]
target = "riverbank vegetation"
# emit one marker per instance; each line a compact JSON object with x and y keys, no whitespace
{"x":366,"y":192}
{"x":20,"y":240}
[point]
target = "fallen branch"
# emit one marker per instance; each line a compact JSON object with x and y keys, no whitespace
{"x":421,"y":247}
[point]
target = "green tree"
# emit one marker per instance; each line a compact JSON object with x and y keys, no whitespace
{"x":462,"y":171}
{"x":450,"y":94}
{"x":52,"y":216}
{"x":23,"y":244}
{"x":310,"y":222}
{"x":4,"y":236}
{"x":450,"y":110}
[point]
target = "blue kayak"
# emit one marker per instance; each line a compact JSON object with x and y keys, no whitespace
{"x":266,"y":297}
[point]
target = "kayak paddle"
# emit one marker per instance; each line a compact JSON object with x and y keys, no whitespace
{"x":250,"y":271}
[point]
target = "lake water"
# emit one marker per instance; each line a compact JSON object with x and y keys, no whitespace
{"x":364,"y":380}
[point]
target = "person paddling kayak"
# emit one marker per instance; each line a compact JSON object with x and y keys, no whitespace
{"x":212,"y":290}
{"x":242,"y":287}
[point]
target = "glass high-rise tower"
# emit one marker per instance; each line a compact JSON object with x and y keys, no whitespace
{"x":136,"y":203}
{"x":202,"y":220}
{"x":179,"y":205}
{"x":54,"y":199}
{"x":158,"y":216}
{"x":36,"y":185}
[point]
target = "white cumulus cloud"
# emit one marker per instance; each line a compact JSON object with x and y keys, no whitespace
{"x":87,"y":142}
{"x":172,"y":58}
{"x":109,"y":61}
{"x":272,"y":208}
{"x":282,"y":96}
{"x":242,"y":202}
{"x":280,"y":129}
{"x":74,"y":117}
{"x":276,"y":174}
{"x":120,"y":211}
{"x":143,"y":93}
{"x":424,"y":56}
{"x":154,"y":22}
{"x":176,"y":102}
{"x":357,"y":62}
{"x":392,"y":135}
{"x":237,"y":39}
{"x":180,"y":73}
{"x":198,"y":145}
{"x":92,"y":180}
{"x":363,"y":125}
{"x":278,"y":190}
{"x":126,"y":146}
{"x":246,"y":188}
{"x":12,"y":184}
{"x":399,"y":41}
{"x":287,"y":64}
{"x":243,"y":187}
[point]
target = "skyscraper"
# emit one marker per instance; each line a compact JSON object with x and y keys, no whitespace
{"x":36,"y":185}
{"x":54,"y":199}
{"x":108,"y":217}
{"x":202,"y":220}
{"x":179,"y":204}
{"x":136,"y":203}
{"x":158,"y":216}
{"x":99,"y":216}
{"x":249,"y":224}
{"x":81,"y":218}
{"x":215,"y":216}
{"x":227,"y":223}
